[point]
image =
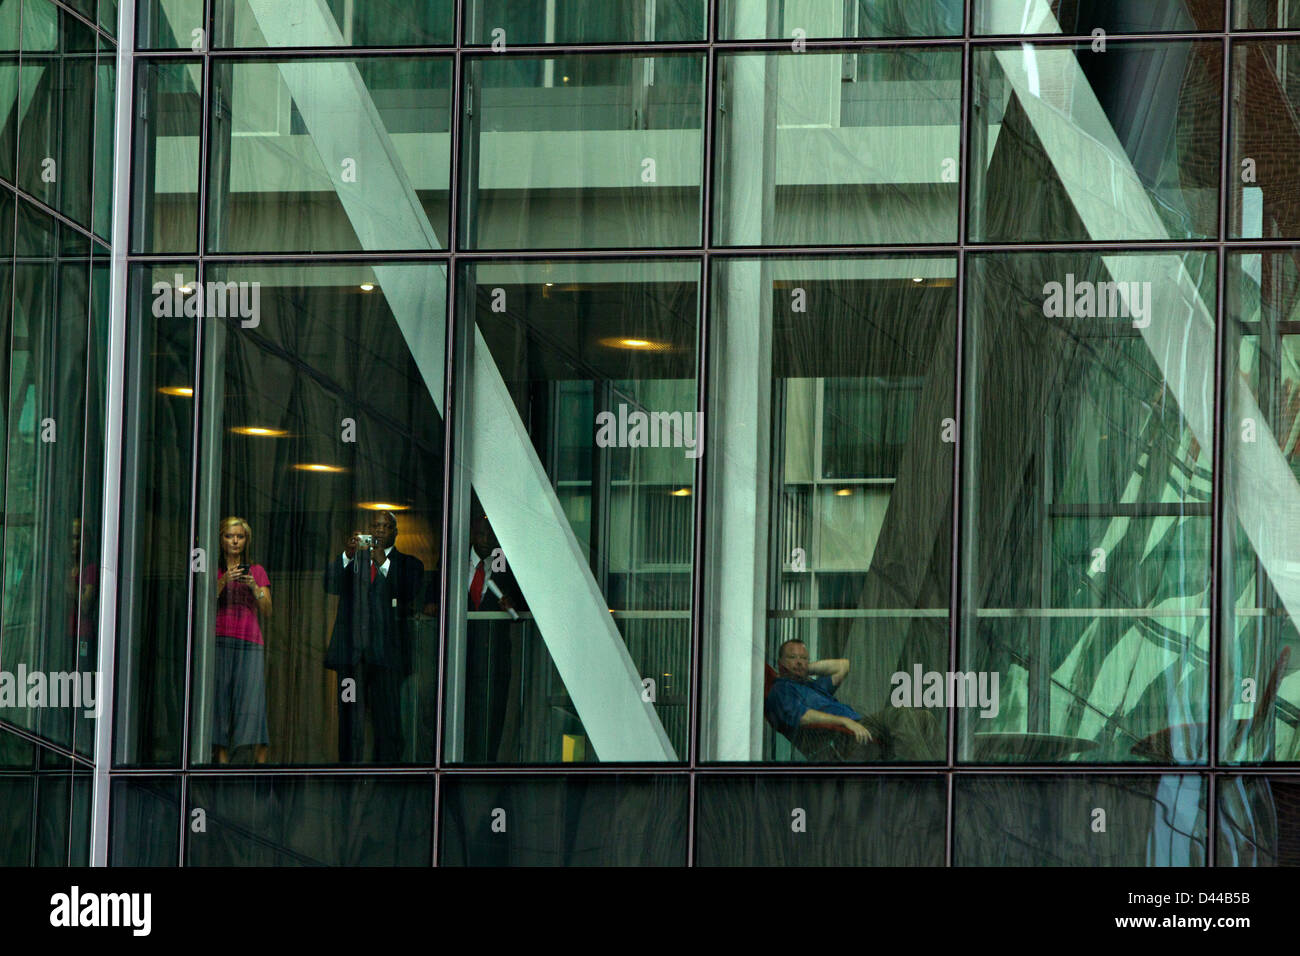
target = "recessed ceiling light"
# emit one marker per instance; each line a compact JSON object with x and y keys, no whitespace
{"x":327,"y":469}
{"x":842,"y":492}
{"x":642,"y":345}
{"x":918,"y":279}
{"x":258,"y":432}
{"x":180,"y":391}
{"x":382,"y":506}
{"x":367,"y":287}
{"x":681,"y":493}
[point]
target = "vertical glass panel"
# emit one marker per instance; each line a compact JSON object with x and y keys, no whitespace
{"x":146,"y":822}
{"x":586,"y":21}
{"x":1072,"y":144}
{"x":311,"y":821}
{"x":43,"y":467}
{"x":334,"y":23}
{"x":86,"y":536}
{"x":1259,"y":576}
{"x":62,"y":819}
{"x":820,"y":821}
{"x":838,"y":148}
{"x":596,"y":150}
{"x":11,"y":111}
{"x":1086,"y":16}
{"x":1259,"y":821}
{"x":1058,"y":821}
{"x":16,"y":753}
{"x":17,"y":799}
{"x":832,"y":401}
{"x":108,"y":16}
{"x":105,"y":107}
{"x":1265,"y":137}
{"x":56,"y":100}
{"x":1088,"y":481}
{"x":615,"y":820}
{"x":155,"y":552}
{"x":169,"y":25}
{"x":165,"y":172}
{"x":329,"y":155}
{"x":45,"y":815}
{"x":1264,"y":15}
{"x":322,"y":418}
{"x":571,"y":553}
{"x":7,"y":213}
{"x":779,"y":19}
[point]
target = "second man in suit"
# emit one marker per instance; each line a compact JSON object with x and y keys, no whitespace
{"x":371,"y":642}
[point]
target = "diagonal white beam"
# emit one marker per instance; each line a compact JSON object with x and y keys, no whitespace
{"x":1110,"y":199}
{"x":545,"y":557}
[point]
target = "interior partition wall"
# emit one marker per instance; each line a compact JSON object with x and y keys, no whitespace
{"x":650,"y":343}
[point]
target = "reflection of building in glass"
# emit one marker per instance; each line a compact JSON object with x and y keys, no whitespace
{"x":599,"y":352}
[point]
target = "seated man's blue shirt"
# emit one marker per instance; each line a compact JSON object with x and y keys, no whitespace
{"x":790,"y":699}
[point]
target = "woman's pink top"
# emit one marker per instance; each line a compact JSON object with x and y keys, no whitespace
{"x":237,"y":607}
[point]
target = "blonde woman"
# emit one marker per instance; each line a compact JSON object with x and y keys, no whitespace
{"x":243,"y":593}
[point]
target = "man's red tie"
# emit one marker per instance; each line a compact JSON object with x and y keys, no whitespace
{"x":373,"y":571}
{"x":476,"y":586}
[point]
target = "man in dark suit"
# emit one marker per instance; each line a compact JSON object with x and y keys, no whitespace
{"x":371,"y":642}
{"x":494,"y":647}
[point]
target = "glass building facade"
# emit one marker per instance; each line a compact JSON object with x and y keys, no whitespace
{"x":664,"y":432}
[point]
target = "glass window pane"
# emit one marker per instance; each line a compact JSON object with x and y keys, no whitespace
{"x":145,"y":829}
{"x":105,"y":107}
{"x":1088,"y":482}
{"x":108,"y":16}
{"x":585,"y":21}
{"x":16,"y":835}
{"x":779,"y":19}
{"x":1080,"y":821}
{"x":599,"y":150}
{"x":155,"y":550}
{"x":833,"y":404}
{"x":1079,"y":145}
{"x":1264,"y":15}
{"x":322,"y":416}
{"x":10,"y":42}
{"x":334,"y":23}
{"x":838,"y":148}
{"x":311,"y":821}
{"x":329,"y":155}
{"x":571,"y":572}
{"x":165,"y":174}
{"x":1261,"y":589}
{"x":56,"y":103}
{"x":43,"y":471}
{"x":1259,"y":821}
{"x":1087,"y":16}
{"x":87,"y":540}
{"x":1265,"y":139}
{"x":820,"y":821}
{"x":169,"y":25}
{"x":614,"y":820}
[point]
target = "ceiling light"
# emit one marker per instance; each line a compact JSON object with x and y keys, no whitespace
{"x":326,"y":469}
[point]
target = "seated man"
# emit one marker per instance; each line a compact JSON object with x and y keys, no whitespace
{"x":798,"y":703}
